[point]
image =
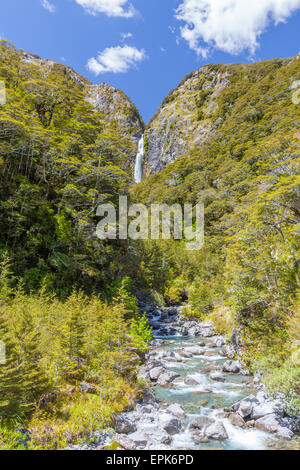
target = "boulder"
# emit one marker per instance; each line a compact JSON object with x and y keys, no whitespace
{"x":283,"y":433}
{"x":167,"y":378}
{"x":125,"y":442}
{"x":219,"y":341}
{"x":245,"y":409}
{"x":194,"y":331}
{"x":156,"y":434}
{"x":217,"y":377}
{"x":201,"y":422}
{"x":269,"y":423}
{"x":251,"y":398}
{"x":191,"y":380}
{"x":232,"y":367}
{"x":261,"y":410}
{"x":170,"y":424}
{"x":139,"y":438}
{"x":176,"y":410}
{"x":156,"y":372}
{"x":143,"y":373}
{"x":216,"y":431}
{"x":236,"y":420}
{"x":124,"y":425}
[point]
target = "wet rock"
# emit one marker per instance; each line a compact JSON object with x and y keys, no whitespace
{"x":176,"y":410}
{"x":245,"y":409}
{"x":125,"y":442}
{"x":191,"y":380}
{"x":283,"y":433}
{"x":139,"y":438}
{"x":269,"y":423}
{"x":156,"y":372}
{"x":250,"y":424}
{"x":170,"y":424}
{"x":185,"y":354}
{"x":236,"y":420}
{"x":219,"y":341}
{"x":217,"y":377}
{"x":156,"y":434}
{"x":201,"y":422}
{"x":198,"y":437}
{"x":232,"y":367}
{"x":184,"y":331}
{"x":194,"y":331}
{"x":216,"y":431}
{"x":261,"y":410}
{"x":250,"y":399}
{"x":124,"y":425}
{"x":167,"y":378}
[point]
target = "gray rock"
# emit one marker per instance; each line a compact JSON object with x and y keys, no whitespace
{"x":283,"y":433}
{"x":124,"y":425}
{"x":170,"y":424}
{"x":219,"y":341}
{"x":195,"y":350}
{"x":236,"y":420}
{"x":139,"y":438}
{"x":194,"y":331}
{"x":190,"y":380}
{"x":261,"y":410}
{"x":217,"y":377}
{"x":176,"y":410}
{"x":167,"y":378}
{"x":125,"y":442}
{"x":201,"y":422}
{"x":156,"y":372}
{"x":232,"y":367}
{"x":245,"y":409}
{"x":269,"y":423}
{"x":216,"y":431}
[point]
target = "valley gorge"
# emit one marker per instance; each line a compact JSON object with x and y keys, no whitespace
{"x":152,"y":346}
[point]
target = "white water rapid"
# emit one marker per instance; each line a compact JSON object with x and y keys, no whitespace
{"x":138,"y":170}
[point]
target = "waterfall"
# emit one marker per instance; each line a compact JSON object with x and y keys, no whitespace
{"x":138,"y":170}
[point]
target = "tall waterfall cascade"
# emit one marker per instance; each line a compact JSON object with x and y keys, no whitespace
{"x":138,"y":170}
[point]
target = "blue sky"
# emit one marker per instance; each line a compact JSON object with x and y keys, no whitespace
{"x":145,"y":47}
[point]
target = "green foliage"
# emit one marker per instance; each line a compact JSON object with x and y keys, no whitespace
{"x":282,"y":377}
{"x":60,"y":158}
{"x":141,"y":332}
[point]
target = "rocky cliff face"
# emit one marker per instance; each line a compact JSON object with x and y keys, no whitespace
{"x":179,"y":125}
{"x":197,"y":110}
{"x":116,"y":108}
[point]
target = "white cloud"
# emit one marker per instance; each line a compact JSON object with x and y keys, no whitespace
{"x":49,"y":6}
{"x":230,"y":25}
{"x":125,"y":36}
{"x":116,"y":59}
{"x":109,"y":7}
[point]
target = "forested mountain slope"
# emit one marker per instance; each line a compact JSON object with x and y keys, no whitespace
{"x":65,"y":147}
{"x":234,"y":105}
{"x":229,"y":136}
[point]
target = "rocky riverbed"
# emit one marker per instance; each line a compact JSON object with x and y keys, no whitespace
{"x":198,"y":398}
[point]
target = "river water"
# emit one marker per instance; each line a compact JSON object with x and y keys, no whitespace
{"x":206,"y":396}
